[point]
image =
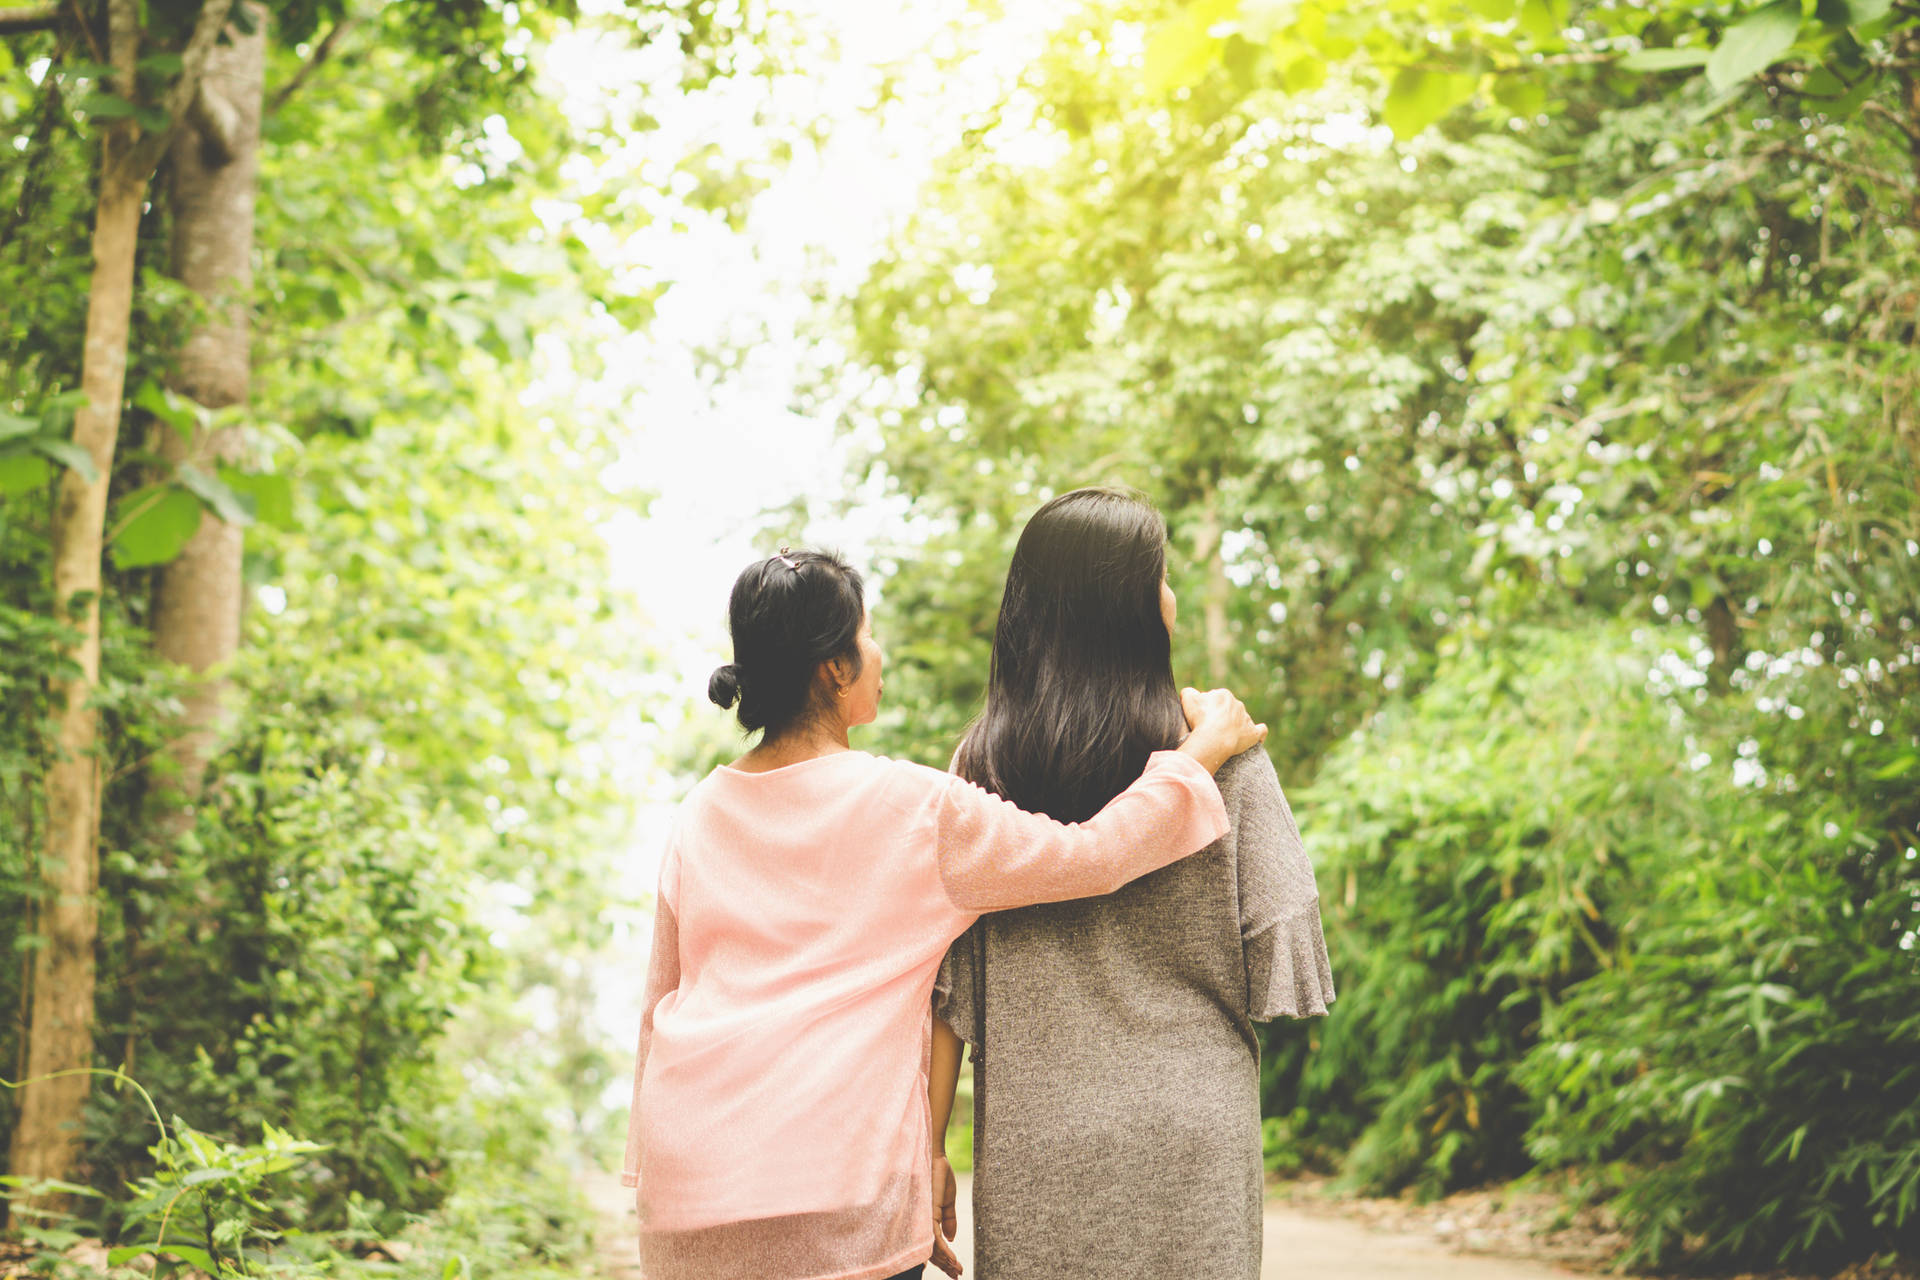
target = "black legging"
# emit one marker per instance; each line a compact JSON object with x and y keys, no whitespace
{"x":912,"y":1273}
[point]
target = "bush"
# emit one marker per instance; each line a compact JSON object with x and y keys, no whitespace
{"x":1479,"y":849}
{"x":1576,"y":921}
{"x":1749,"y":1078}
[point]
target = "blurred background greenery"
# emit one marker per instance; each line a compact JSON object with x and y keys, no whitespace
{"x":1530,"y":391}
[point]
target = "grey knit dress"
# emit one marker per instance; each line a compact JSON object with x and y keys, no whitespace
{"x":1116,"y":1073}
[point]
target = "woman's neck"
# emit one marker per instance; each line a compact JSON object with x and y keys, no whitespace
{"x":803,"y":742}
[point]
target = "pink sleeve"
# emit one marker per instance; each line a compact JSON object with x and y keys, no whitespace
{"x":993,"y":855}
{"x":663,"y":975}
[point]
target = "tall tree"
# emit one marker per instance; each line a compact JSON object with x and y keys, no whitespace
{"x":196,"y":605}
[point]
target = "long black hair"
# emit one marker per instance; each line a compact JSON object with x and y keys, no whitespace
{"x":1081,"y":688}
{"x":788,"y":613}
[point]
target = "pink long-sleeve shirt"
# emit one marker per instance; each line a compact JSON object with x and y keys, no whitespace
{"x":779,"y":1125}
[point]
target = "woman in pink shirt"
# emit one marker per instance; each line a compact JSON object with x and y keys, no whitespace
{"x":807,"y":894}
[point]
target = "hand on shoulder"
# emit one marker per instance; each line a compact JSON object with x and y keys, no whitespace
{"x":1221,"y":727}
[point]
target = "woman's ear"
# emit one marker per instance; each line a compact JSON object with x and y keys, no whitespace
{"x":838,"y":673}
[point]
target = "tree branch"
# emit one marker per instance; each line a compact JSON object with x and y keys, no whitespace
{"x":321,"y":52}
{"x":216,"y":121}
{"x":1880,"y":177}
{"x":180,"y":95}
{"x":86,"y":29}
{"x":20,"y":19}
{"x":1907,"y":131}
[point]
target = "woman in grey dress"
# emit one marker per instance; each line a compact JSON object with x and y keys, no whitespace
{"x":1116,"y":1071}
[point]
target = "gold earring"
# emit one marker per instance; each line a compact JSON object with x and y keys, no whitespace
{"x":841,"y":693}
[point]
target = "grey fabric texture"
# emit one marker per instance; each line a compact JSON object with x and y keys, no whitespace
{"x":1116,"y":1094}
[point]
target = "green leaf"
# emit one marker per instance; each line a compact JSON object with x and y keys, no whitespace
{"x":1753,"y":44}
{"x":188,"y":1254}
{"x":38,"y":1185}
{"x":14,"y":425}
{"x":1179,"y":51}
{"x":105,"y":106}
{"x":56,"y":412}
{"x":68,"y":454}
{"x":159,"y":520}
{"x":1419,"y":97}
{"x":271,"y":495}
{"x":223,"y":501}
{"x":1520,"y":95}
{"x":23,"y":473}
{"x":1304,"y":73}
{"x":1861,"y":12}
{"x":1664,"y":59}
{"x":1543,"y":20}
{"x":172,"y":408}
{"x":1898,"y":768}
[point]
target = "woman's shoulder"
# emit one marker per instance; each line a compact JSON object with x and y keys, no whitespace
{"x":913,"y":775}
{"x":840,"y":772}
{"x":1250,"y":771}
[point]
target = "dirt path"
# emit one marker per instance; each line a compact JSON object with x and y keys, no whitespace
{"x":1299,"y":1245}
{"x":614,"y":1252}
{"x":1302,"y":1245}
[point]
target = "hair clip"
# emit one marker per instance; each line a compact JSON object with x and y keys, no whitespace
{"x":782,"y":558}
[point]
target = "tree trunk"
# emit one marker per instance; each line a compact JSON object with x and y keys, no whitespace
{"x":197,"y":596}
{"x":60,"y":1035}
{"x":1211,"y":556}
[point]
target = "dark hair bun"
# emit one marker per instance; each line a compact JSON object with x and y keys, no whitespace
{"x":723,"y":686}
{"x":788,"y":614}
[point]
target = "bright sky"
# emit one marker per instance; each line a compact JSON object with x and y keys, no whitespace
{"x":719,"y":453}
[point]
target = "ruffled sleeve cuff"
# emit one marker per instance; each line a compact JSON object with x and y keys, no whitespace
{"x":1287,"y":970}
{"x":954,"y":999}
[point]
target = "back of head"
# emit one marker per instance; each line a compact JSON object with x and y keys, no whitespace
{"x":1081,"y":689}
{"x":788,"y":613}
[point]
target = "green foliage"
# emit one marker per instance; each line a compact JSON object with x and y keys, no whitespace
{"x":1563,"y":454}
{"x":1434,"y":56}
{"x":1248,"y":309}
{"x":223,"y":1209}
{"x":211,"y":1194}
{"x":1467,"y":882}
{"x":1749,"y":1079}
{"x":428,"y":642}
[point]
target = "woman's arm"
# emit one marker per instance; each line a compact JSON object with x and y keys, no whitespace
{"x":993,"y":855}
{"x":663,"y":978}
{"x":942,"y":1075}
{"x":1280,"y":934}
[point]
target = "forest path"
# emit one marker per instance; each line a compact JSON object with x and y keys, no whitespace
{"x":615,"y":1228}
{"x":1306,"y":1245}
